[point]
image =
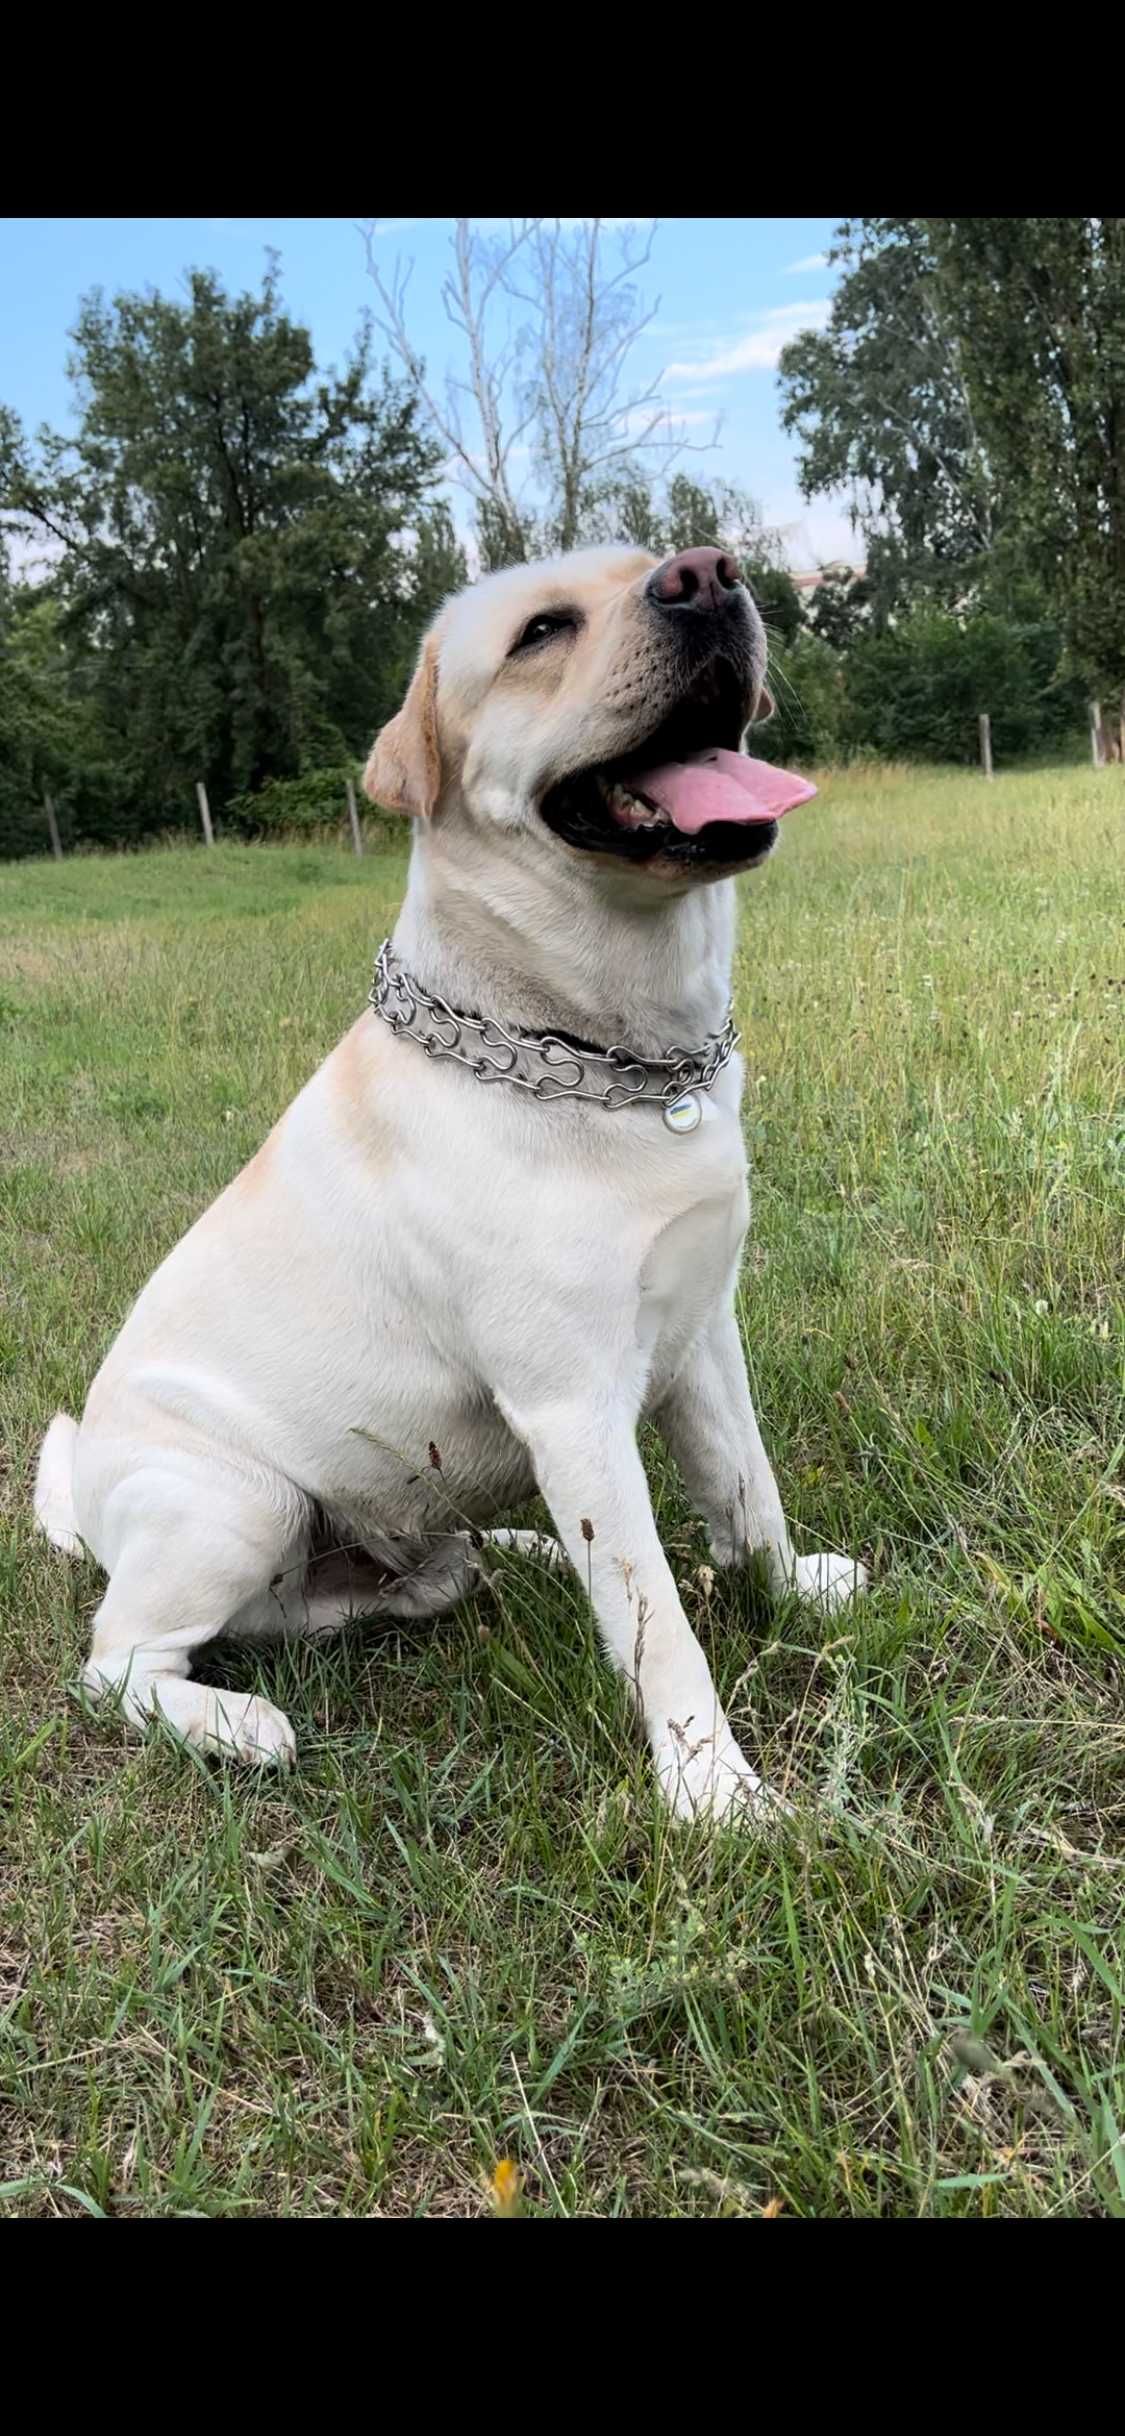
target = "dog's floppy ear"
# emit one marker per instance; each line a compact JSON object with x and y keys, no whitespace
{"x":404,"y":770}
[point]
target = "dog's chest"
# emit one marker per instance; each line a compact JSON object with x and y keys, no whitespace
{"x":688,"y":1267}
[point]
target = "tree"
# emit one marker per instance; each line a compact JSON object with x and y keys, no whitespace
{"x":970,"y":389}
{"x":431,"y":569}
{"x":840,"y":610}
{"x":881,"y":405}
{"x":915,"y":692}
{"x":1040,"y":305}
{"x":241,"y":546}
{"x":437,"y":564}
{"x":550,"y":389}
{"x":51,"y":735}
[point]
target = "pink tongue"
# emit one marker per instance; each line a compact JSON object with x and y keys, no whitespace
{"x":721,"y":786}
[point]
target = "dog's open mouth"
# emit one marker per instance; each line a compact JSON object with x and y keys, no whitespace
{"x":687,"y":795}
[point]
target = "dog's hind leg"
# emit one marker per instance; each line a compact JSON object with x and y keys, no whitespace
{"x":455,"y":1566}
{"x":405,"y":1581}
{"x":441,"y":1572}
{"x":192,"y":1551}
{"x":320,"y":1594}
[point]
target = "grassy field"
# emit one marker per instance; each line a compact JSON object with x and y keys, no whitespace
{"x":462,"y":1930}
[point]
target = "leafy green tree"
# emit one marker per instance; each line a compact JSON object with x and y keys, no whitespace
{"x":51,"y":735}
{"x":881,"y":406}
{"x":840,"y":611}
{"x":1040,"y":308}
{"x":970,"y":392}
{"x":243,"y":548}
{"x":810,"y":723}
{"x":915,"y":691}
{"x":437,"y":565}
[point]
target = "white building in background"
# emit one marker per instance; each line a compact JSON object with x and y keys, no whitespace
{"x":834,"y":571}
{"x":808,"y":572}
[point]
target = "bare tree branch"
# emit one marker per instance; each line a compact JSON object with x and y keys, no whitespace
{"x":552,"y":388}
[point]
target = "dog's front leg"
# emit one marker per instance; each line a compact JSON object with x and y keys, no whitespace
{"x":708,"y":1422}
{"x":591,"y":1475}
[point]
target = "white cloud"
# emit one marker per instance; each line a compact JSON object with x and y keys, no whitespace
{"x":393,"y":228}
{"x":759,"y":347}
{"x":808,"y":262}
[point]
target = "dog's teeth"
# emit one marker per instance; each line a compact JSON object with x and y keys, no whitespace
{"x":631,"y":813}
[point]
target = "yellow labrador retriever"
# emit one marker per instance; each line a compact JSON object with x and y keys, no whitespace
{"x":504,"y":1219}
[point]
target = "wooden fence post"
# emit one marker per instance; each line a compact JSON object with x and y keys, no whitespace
{"x":53,"y":826}
{"x":205,"y":813}
{"x":986,"y":744}
{"x":353,"y":816}
{"x":1097,"y":752}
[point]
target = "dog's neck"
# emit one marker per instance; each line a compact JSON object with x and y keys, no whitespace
{"x":515,"y":933}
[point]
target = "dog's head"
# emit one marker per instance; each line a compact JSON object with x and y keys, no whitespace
{"x":596,"y":702}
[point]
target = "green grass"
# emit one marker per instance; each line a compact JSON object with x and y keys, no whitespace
{"x":462,"y":1930}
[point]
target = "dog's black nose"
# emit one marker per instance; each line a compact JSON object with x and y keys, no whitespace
{"x":694,"y":579}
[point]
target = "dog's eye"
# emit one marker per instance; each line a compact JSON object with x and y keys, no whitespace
{"x":540,"y":629}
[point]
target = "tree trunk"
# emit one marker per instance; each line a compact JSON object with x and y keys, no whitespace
{"x":52,"y":825}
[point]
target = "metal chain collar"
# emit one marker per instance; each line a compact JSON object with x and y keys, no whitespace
{"x":539,"y":1062}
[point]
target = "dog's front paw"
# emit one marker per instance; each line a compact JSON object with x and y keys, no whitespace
{"x":259,"y":1733}
{"x":229,"y":1725}
{"x":828,"y":1581}
{"x":714,"y":1784}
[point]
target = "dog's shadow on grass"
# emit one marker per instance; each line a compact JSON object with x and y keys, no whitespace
{"x":736,"y":1606}
{"x":294,"y":1670}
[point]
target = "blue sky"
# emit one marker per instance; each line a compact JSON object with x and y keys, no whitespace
{"x":730,"y":292}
